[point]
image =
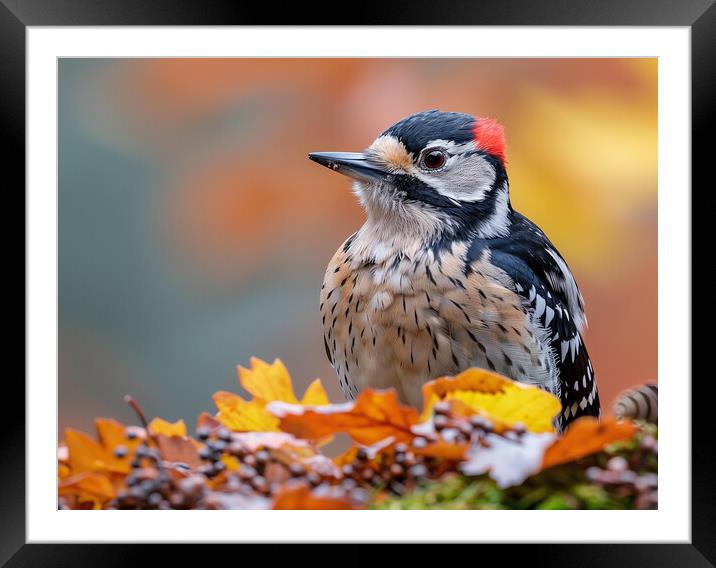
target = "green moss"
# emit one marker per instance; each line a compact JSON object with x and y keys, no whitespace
{"x":563,"y":487}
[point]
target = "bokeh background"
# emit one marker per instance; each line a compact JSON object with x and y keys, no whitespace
{"x":193,"y":231}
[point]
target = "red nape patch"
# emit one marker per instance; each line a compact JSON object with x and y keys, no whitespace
{"x":490,"y":137}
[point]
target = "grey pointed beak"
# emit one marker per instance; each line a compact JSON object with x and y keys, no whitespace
{"x":351,"y":164}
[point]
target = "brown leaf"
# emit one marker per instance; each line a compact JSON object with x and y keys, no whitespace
{"x":207,"y":421}
{"x":177,"y":449}
{"x":585,"y":436}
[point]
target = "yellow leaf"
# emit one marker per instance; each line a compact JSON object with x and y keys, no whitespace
{"x":315,"y":395}
{"x":267,"y":382}
{"x":496,"y":397}
{"x":159,"y":426}
{"x":241,"y":415}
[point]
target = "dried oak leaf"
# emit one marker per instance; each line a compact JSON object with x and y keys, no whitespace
{"x":372,"y":417}
{"x":502,"y":400}
{"x":178,"y":450}
{"x":300,"y":496}
{"x":585,"y":436}
{"x":209,"y":422}
{"x":266,"y":382}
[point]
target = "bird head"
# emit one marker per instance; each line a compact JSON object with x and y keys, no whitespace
{"x":436,"y":174}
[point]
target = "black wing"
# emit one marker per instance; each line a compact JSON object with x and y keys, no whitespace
{"x":541,"y":276}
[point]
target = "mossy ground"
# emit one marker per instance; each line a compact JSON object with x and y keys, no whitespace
{"x":567,"y":486}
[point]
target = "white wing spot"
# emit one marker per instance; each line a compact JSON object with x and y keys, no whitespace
{"x":549,"y":314}
{"x":574,"y":347}
{"x":565,"y":350}
{"x":539,"y":309}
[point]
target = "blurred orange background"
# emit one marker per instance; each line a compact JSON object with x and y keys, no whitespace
{"x":194,"y":232}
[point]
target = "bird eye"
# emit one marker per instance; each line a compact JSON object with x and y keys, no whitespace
{"x":433,"y":160}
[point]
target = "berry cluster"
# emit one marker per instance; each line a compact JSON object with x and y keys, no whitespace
{"x":402,"y":467}
{"x":153,"y":483}
{"x":632,"y":475}
{"x":229,"y":475}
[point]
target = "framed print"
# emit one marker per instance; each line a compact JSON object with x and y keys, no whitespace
{"x":423,"y":207}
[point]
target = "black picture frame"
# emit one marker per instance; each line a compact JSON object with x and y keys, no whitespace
{"x":699,"y":15}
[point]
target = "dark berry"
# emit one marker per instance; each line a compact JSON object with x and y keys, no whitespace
{"x":440,"y":421}
{"x":418,"y":471}
{"x":296,"y":469}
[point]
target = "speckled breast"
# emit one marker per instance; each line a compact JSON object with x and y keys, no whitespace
{"x":393,"y":317}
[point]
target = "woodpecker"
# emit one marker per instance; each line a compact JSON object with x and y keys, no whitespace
{"x":445,"y":275}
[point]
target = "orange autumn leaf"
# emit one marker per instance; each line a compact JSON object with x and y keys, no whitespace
{"x":87,"y":454}
{"x":159,"y":426}
{"x":443,"y":449}
{"x":300,"y":496}
{"x":504,"y":401}
{"x":372,"y":417}
{"x":586,"y":436}
{"x":267,"y":383}
{"x":88,"y":486}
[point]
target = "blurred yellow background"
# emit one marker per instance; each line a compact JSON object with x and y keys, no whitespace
{"x":194,"y":232}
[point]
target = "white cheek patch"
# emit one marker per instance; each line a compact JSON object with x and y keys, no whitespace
{"x":464,"y":178}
